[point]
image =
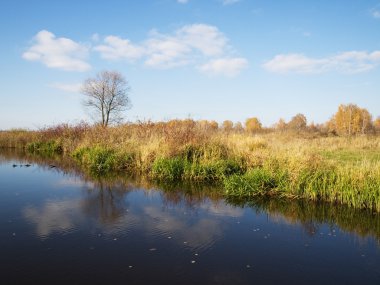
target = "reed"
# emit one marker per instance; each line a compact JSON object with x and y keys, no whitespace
{"x":344,"y":170}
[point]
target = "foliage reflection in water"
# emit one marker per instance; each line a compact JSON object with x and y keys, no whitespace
{"x":62,"y":225}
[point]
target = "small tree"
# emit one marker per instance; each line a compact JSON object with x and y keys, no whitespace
{"x":280,"y":125}
{"x":107,"y":96}
{"x":298,"y":122}
{"x":227,"y":125}
{"x":376,"y":125}
{"x":238,"y":127}
{"x":253,"y":125}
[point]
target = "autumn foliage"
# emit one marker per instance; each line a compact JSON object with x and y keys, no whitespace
{"x":351,"y":120}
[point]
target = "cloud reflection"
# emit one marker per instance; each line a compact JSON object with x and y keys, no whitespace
{"x":53,"y":216}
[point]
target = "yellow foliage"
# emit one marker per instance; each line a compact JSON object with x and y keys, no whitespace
{"x":351,"y":120}
{"x":227,"y":125}
{"x":253,"y":125}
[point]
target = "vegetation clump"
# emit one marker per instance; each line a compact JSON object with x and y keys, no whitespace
{"x":295,"y":160}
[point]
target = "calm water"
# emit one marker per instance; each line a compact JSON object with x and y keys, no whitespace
{"x":58,"y":226}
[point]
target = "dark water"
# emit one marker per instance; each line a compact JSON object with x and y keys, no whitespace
{"x":59,"y":226}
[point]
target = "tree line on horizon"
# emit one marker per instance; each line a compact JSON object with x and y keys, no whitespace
{"x":107,"y":96}
{"x":349,"y":120}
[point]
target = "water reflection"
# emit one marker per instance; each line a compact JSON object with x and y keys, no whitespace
{"x":109,"y":202}
{"x":53,"y":216}
{"x":105,"y":202}
{"x":311,"y":216}
{"x":63,"y":226}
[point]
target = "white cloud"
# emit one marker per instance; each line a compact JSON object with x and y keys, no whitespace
{"x":198,"y":45}
{"x":181,"y":48}
{"x":167,"y":50}
{"x":204,"y":38}
{"x":345,"y":62}
{"x":73,"y":88}
{"x":190,"y":44}
{"x":229,"y":67}
{"x":182,"y":1}
{"x":229,"y":2}
{"x":117,"y":48}
{"x":60,"y":53}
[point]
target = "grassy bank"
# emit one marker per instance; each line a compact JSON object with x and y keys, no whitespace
{"x":308,"y":165}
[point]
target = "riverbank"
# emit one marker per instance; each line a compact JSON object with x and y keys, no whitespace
{"x":310,"y":166}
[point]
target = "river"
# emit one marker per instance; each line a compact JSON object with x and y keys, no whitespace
{"x":59,"y":225}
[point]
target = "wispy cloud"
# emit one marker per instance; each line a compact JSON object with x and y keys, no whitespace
{"x":72,"y":88}
{"x":345,"y":62}
{"x":229,"y":67}
{"x":188,"y":45}
{"x":60,"y":53}
{"x":229,"y":2}
{"x":375,"y":13}
{"x":182,"y":1}
{"x":306,"y":34}
{"x":95,"y":37}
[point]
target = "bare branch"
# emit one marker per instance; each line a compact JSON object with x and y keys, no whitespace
{"x":107,"y":96}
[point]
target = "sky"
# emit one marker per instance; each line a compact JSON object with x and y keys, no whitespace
{"x":200,"y":59}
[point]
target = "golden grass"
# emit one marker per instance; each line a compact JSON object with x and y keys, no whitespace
{"x":309,"y":165}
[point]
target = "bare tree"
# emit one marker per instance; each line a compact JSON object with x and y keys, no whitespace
{"x":107,"y":96}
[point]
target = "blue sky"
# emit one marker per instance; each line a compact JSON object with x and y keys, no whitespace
{"x":204,"y":59}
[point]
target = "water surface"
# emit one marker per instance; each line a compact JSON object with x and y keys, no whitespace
{"x":60,"y":226}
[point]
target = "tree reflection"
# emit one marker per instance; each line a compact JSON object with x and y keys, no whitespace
{"x":105,"y":201}
{"x":311,"y":215}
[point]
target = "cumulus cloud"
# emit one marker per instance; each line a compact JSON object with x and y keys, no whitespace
{"x":202,"y":46}
{"x":190,"y":44}
{"x":205,"y":38}
{"x":345,"y":62}
{"x":167,"y":50}
{"x":229,"y":67}
{"x":117,"y":48}
{"x":72,"y":88}
{"x":60,"y":53}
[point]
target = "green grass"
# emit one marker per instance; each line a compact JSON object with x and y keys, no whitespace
{"x":359,"y":188}
{"x":97,"y":159}
{"x":46,"y":148}
{"x":101,"y":159}
{"x":351,"y":156}
{"x":257,"y":181}
{"x":178,"y":168}
{"x":170,"y":169}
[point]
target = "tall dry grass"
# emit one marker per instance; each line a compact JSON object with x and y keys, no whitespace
{"x":307,"y":165}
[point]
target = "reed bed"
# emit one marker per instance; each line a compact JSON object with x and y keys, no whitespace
{"x":342,"y":170}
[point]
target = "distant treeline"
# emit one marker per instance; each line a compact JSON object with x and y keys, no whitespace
{"x":348,"y":120}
